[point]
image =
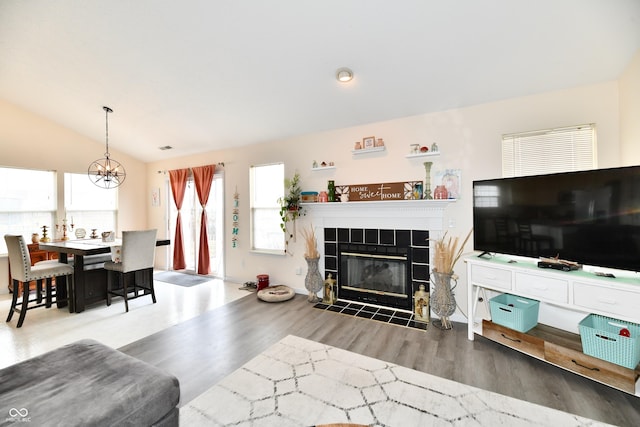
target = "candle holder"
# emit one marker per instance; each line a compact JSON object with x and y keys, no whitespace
{"x":64,"y":229}
{"x":45,"y":238}
{"x":427,"y":182}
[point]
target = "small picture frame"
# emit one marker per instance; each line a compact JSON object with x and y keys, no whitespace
{"x":368,"y":142}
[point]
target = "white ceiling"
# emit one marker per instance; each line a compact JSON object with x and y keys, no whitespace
{"x":203,"y":75}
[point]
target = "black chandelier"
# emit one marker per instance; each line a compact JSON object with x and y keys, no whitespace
{"x":106,"y":172}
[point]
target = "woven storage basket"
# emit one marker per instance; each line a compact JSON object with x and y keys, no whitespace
{"x":601,"y":338}
{"x":514,"y":312}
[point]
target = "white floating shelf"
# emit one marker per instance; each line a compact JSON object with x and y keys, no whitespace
{"x":427,"y":154}
{"x":368,"y":150}
{"x":321,"y":168}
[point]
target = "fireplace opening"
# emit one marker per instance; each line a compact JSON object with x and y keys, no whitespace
{"x":375,"y":274}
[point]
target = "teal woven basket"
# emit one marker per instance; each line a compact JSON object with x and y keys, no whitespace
{"x":514,"y":312}
{"x":601,"y":338}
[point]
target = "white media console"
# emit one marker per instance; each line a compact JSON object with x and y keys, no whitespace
{"x":565,"y":298}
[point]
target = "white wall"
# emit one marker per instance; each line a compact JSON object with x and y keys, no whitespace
{"x":630,"y":112}
{"x":469,"y":139}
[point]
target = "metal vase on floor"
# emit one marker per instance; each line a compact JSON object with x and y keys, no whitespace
{"x":443,"y":301}
{"x":313,"y":280}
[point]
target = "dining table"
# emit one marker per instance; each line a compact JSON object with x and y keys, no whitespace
{"x":89,"y":283}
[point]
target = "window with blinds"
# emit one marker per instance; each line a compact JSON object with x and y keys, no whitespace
{"x":549,"y":151}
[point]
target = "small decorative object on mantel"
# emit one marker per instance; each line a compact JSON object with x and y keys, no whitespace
{"x":443,"y":301}
{"x":427,"y":182}
{"x":440,"y":193}
{"x":313,"y":280}
{"x":94,"y":234}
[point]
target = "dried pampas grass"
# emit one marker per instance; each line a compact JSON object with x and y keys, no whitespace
{"x":311,"y":244}
{"x":447,"y":253}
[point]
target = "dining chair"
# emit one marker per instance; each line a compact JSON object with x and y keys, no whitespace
{"x":137,"y":256}
{"x":21,"y":270}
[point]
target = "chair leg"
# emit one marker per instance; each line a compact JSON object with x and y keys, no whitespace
{"x":123,"y":282}
{"x":49,"y":291}
{"x":25,"y":303}
{"x":109,"y":286}
{"x":14,"y":299}
{"x":38,"y":290}
{"x":151,"y":287}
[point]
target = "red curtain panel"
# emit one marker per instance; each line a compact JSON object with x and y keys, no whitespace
{"x":203,"y":177}
{"x":178,"y":179}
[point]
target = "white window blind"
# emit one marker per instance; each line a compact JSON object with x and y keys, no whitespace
{"x":267,"y":185}
{"x":549,"y":151}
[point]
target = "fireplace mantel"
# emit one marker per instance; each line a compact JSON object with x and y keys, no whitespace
{"x":393,"y":214}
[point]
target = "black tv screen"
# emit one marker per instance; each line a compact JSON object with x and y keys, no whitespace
{"x":589,"y":217}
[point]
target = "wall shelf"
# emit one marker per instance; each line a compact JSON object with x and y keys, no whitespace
{"x":368,"y":150}
{"x":321,"y":168}
{"x":427,"y":154}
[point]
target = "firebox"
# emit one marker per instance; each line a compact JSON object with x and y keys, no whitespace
{"x":375,"y":274}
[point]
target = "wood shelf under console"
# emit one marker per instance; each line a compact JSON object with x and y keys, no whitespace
{"x":578,"y":292}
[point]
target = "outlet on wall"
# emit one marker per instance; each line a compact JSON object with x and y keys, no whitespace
{"x":298,"y":271}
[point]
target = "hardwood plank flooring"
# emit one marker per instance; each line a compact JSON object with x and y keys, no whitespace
{"x":203,"y":350}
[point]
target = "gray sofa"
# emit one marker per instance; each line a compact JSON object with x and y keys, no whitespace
{"x":87,"y":384}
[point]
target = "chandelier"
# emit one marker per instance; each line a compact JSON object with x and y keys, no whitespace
{"x":106,"y":172}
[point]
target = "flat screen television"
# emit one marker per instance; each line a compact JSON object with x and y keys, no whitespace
{"x":589,"y":217}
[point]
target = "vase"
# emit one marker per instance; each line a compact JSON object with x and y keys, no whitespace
{"x":313,"y":280}
{"x":440,"y":192}
{"x":443,"y":301}
{"x":427,"y":181}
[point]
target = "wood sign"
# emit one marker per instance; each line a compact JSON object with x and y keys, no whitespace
{"x":373,"y":192}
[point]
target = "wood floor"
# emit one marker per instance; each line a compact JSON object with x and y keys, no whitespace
{"x":203,"y":350}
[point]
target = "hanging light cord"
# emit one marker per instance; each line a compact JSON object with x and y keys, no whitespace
{"x":107,"y":110}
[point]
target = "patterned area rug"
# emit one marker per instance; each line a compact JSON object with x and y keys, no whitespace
{"x":298,"y":382}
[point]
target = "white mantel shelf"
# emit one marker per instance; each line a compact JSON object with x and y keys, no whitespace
{"x":394,"y":214}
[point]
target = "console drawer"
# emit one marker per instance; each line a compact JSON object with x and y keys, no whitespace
{"x":525,"y":343}
{"x":492,"y":277}
{"x":542,"y":288}
{"x":591,"y":367}
{"x":616,"y":302}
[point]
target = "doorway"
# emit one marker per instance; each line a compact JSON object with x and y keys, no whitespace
{"x":191,"y":213}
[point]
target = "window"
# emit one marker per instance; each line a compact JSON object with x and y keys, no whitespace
{"x":267,"y":186}
{"x":27,"y":203}
{"x":549,"y":151}
{"x":87,"y":206}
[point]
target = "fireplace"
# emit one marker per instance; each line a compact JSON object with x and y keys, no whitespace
{"x":377,"y":266}
{"x":374,"y":274}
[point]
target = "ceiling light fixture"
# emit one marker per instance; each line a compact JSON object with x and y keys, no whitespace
{"x":106,"y":172}
{"x":344,"y":75}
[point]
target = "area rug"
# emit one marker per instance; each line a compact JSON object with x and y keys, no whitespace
{"x":298,"y":382}
{"x":180,"y":279}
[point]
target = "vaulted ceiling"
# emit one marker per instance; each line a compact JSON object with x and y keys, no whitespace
{"x":203,"y":75}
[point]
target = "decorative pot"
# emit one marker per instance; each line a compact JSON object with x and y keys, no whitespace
{"x":35,"y":237}
{"x":313,"y":280}
{"x":443,"y":301}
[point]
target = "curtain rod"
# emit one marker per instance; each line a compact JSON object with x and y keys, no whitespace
{"x":164,"y":172}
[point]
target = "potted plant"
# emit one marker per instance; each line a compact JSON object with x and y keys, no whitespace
{"x":290,"y":208}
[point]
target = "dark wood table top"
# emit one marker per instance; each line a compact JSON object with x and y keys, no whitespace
{"x":86,"y":246}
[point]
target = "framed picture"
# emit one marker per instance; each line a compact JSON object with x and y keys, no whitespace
{"x":368,"y":142}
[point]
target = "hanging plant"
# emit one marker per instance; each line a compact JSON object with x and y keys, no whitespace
{"x":290,"y":208}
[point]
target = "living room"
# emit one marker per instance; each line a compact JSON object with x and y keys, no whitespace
{"x":469,"y":140}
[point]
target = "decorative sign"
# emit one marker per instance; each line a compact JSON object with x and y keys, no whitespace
{"x":234,"y":217}
{"x":373,"y":192}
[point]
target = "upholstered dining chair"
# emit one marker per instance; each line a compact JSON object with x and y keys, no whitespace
{"x":137,"y":256}
{"x":21,"y":270}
